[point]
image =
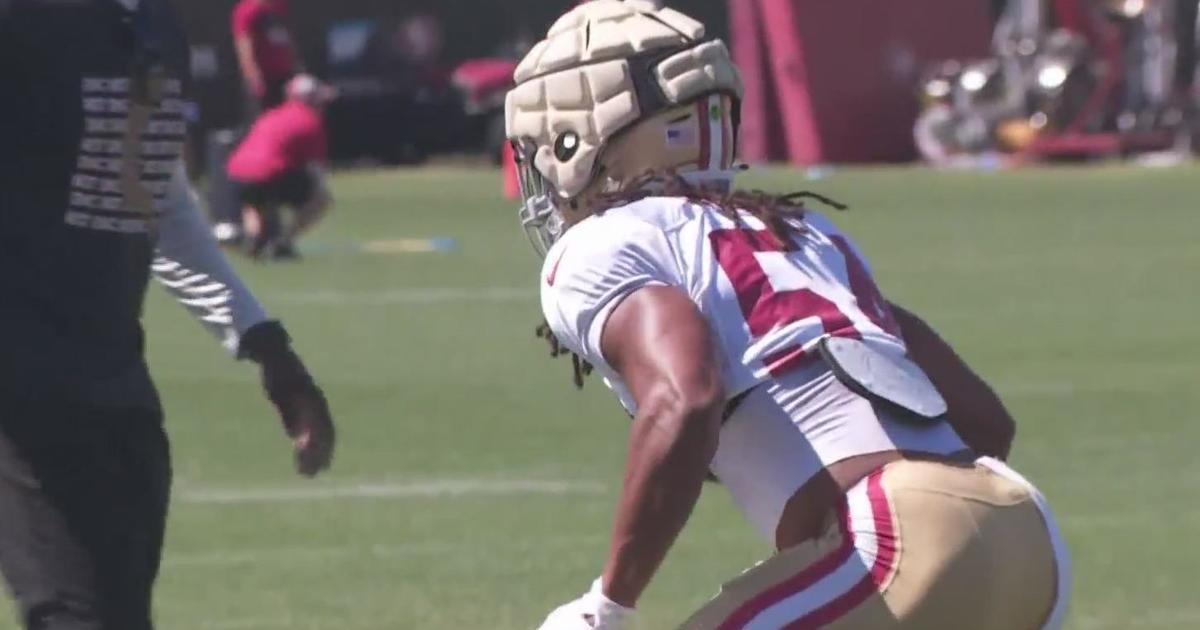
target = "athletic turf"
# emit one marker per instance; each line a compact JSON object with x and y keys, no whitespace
{"x":473,"y":485}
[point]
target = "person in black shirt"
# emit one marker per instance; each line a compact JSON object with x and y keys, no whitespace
{"x":93,"y":201}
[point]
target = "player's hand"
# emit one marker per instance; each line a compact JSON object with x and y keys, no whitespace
{"x":303,"y":410}
{"x":301,"y":404}
{"x":593,"y":611}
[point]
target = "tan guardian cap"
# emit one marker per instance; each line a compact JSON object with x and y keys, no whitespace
{"x":604,"y":67}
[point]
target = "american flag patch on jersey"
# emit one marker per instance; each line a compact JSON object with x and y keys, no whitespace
{"x":682,"y":135}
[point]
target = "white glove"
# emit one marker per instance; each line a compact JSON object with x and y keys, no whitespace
{"x":593,"y":611}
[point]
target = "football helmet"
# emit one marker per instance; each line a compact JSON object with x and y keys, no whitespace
{"x":618,"y":89}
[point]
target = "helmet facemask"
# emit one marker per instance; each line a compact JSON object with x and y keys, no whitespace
{"x":540,"y":217}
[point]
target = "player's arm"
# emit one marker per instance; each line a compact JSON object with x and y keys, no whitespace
{"x":609,"y":295}
{"x":662,"y":347}
{"x":975,"y":410}
{"x":243,"y":46}
{"x":190,"y":265}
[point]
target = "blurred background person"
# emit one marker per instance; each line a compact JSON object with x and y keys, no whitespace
{"x":266,"y":54}
{"x":418,"y":47}
{"x":281,"y":163}
{"x":267,"y":58}
{"x":1184,"y":93}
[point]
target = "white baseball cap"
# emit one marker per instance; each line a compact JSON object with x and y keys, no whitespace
{"x":307,"y":88}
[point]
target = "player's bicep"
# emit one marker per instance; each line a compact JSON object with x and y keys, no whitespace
{"x":661,"y":345}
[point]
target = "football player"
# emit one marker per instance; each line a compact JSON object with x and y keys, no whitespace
{"x":745,"y":335}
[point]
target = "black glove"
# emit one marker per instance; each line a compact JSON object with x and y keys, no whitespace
{"x":301,"y":405}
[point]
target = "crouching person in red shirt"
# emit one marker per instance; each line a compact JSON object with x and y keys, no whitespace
{"x":281,"y":163}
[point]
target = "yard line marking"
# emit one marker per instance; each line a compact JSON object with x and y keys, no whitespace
{"x":286,"y":621}
{"x":297,"y":554}
{"x":253,"y":556}
{"x":1169,"y":618}
{"x":413,"y":295}
{"x":303,"y":555}
{"x":409,"y":490}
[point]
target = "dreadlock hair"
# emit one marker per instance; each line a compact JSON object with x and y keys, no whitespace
{"x":579,"y":366}
{"x":782,"y":214}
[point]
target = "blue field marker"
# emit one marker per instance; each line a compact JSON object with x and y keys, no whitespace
{"x":382,"y":247}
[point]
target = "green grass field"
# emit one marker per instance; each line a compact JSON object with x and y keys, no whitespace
{"x":473,"y":485}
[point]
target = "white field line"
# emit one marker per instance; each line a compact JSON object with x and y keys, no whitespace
{"x":405,"y":490}
{"x":286,"y":620}
{"x":1170,"y":618}
{"x":304,"y":555}
{"x":408,"y":296}
{"x":307,"y":555}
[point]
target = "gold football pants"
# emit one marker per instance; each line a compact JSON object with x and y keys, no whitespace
{"x":915,"y":546}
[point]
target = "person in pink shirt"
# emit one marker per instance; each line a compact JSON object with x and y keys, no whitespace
{"x":281,"y":163}
{"x":265,"y":51}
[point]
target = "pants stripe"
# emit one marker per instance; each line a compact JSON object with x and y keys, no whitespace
{"x":868,"y":547}
{"x":880,"y":570}
{"x":805,"y":579}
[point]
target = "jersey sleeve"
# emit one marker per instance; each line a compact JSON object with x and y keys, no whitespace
{"x":599,"y":263}
{"x":823,"y":225}
{"x":244,"y":16}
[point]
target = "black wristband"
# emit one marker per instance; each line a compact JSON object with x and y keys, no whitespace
{"x":263,"y":340}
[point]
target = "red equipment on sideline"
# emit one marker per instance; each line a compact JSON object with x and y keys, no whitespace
{"x":1076,"y":140}
{"x":833,"y":81}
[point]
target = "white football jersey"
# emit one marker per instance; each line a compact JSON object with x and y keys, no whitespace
{"x":768,"y":303}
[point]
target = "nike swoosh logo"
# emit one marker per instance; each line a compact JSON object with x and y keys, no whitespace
{"x":554,"y":270}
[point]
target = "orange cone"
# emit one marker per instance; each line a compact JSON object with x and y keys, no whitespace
{"x":508,"y":159}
